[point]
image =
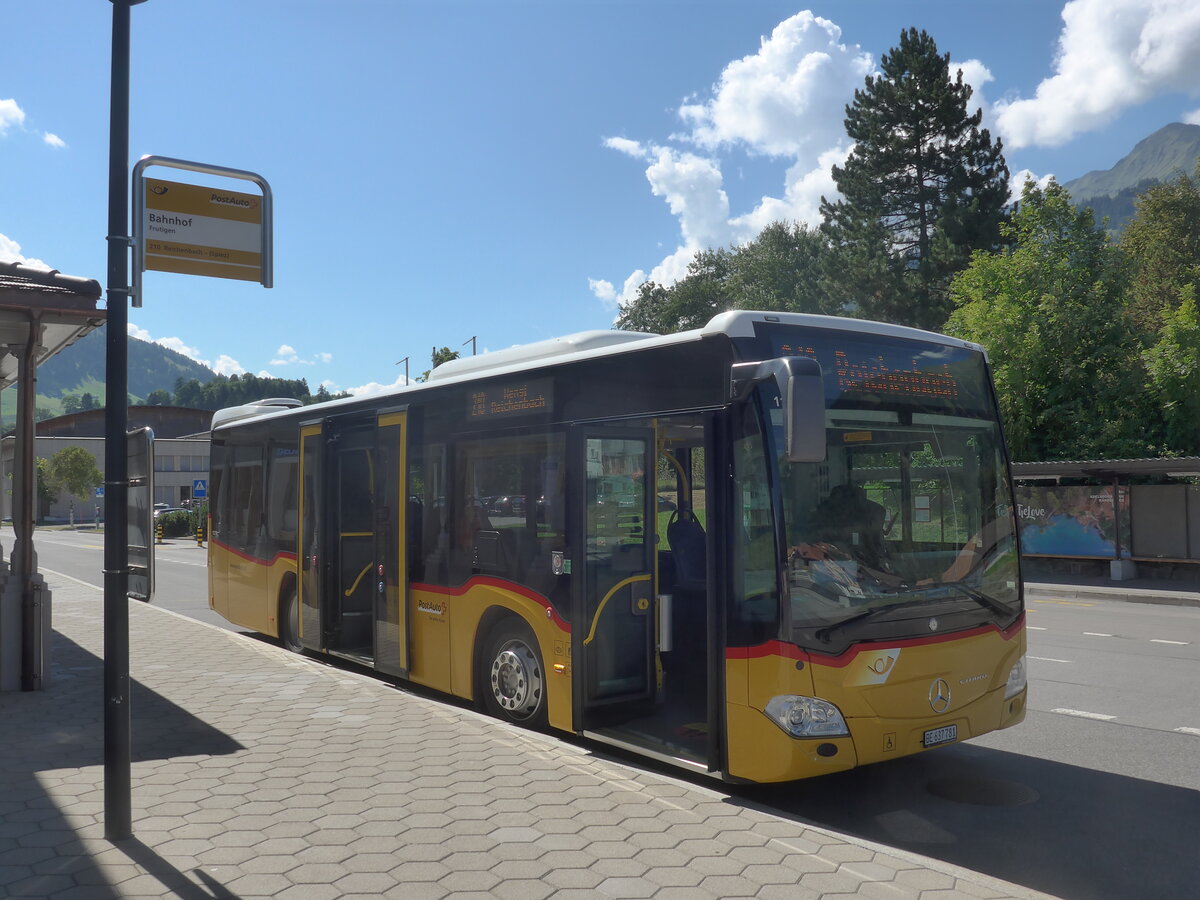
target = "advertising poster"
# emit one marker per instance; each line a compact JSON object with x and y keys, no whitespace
{"x":1073,"y":521}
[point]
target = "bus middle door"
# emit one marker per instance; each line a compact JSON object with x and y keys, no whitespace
{"x":614,"y":622}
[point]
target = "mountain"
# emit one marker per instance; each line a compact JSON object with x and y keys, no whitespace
{"x":80,"y":370}
{"x":152,"y":367}
{"x":1170,"y":151}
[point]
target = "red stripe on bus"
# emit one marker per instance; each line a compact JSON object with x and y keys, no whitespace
{"x":282,"y":554}
{"x":791,"y":651}
{"x":489,"y":581}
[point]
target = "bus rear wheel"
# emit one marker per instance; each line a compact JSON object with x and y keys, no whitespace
{"x":289,"y":622}
{"x":513,"y":679}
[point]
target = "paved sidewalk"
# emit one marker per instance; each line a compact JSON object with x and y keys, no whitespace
{"x":260,"y":774}
{"x":1136,"y":590}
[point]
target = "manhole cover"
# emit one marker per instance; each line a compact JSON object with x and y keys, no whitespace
{"x":978,"y":791}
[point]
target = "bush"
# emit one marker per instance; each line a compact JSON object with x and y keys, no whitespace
{"x":175,"y":524}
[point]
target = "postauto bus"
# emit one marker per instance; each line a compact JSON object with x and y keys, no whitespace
{"x":773,"y":547}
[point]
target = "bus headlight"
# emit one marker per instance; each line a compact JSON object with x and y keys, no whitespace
{"x":1017,"y":679}
{"x":806,"y":716}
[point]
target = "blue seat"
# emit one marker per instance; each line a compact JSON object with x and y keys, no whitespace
{"x":686,"y":536}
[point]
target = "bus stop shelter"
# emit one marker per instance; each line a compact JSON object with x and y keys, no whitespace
{"x":41,"y":313}
{"x":1129,"y":514}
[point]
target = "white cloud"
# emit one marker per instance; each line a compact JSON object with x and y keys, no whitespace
{"x":626,"y":146}
{"x":1016,"y":182}
{"x":603,"y":290}
{"x":286,"y":355}
{"x":1192,"y":118}
{"x":373,"y":388}
{"x":225,"y":365}
{"x":1112,"y":54}
{"x":692,"y":187}
{"x":54,"y":140}
{"x":801,"y":200}
{"x":976,"y":74}
{"x":10,"y":252}
{"x":787,"y":99}
{"x":10,"y":115}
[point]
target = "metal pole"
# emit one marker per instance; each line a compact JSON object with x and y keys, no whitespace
{"x":31,"y":621}
{"x":117,"y":790}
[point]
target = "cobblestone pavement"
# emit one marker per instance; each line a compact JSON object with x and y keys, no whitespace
{"x":260,"y":774}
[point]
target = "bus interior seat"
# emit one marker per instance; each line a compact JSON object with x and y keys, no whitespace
{"x":686,"y":537}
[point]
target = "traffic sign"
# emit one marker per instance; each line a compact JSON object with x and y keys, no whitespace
{"x":200,"y":488}
{"x":100,"y":491}
{"x":203,"y":231}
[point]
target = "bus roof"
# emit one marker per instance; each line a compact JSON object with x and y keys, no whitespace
{"x":590,"y":345}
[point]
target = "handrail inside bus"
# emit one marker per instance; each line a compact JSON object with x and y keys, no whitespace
{"x":599,"y":609}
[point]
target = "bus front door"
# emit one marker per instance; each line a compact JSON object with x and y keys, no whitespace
{"x":614,"y":630}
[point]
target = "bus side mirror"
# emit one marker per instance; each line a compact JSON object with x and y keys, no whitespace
{"x":802,"y":393}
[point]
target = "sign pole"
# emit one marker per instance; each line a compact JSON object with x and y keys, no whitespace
{"x":117,"y":782}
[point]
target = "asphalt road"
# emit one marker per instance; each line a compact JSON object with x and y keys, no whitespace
{"x":1096,"y":794}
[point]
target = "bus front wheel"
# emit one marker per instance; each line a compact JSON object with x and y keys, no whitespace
{"x":513,"y":680}
{"x":289,"y":622}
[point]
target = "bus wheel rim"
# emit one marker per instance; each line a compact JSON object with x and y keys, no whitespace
{"x":516,"y":680}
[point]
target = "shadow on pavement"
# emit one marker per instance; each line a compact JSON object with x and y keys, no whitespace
{"x":46,"y":801}
{"x":1061,"y":829}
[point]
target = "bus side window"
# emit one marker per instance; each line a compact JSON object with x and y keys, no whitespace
{"x":427,"y":484}
{"x":246,"y":506}
{"x":216,"y":477}
{"x":282,"y":491}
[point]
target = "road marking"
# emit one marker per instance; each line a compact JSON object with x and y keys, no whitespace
{"x":1097,"y":634}
{"x":1083,"y":714}
{"x":1049,"y":659}
{"x":1176,"y":643}
{"x":1067,"y":602}
{"x":1035,"y":627}
{"x":1195,"y":731}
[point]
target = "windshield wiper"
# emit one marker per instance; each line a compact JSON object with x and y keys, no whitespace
{"x":825,"y":633}
{"x":981,"y":598}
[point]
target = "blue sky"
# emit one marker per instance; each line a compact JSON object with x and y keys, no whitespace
{"x":508,"y":171}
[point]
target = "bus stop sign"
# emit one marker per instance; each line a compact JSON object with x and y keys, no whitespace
{"x":200,"y":488}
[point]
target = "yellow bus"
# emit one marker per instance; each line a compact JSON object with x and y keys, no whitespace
{"x":776,"y":546}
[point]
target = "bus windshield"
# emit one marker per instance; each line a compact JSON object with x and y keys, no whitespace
{"x":909,"y":515}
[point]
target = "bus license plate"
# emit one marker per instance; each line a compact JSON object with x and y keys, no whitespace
{"x":943,"y":735}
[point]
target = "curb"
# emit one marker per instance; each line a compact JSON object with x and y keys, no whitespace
{"x":1084,"y":592}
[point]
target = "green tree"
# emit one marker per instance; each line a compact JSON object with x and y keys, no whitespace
{"x":1173,"y":365}
{"x":70,"y":404}
{"x":1064,"y":354}
{"x":922,"y":189}
{"x":1163,"y":244}
{"x":689,"y":303}
{"x":445,"y":354}
{"x":45,"y":492}
{"x":73,"y":470}
{"x":158,"y":398}
{"x":779,"y":271}
{"x":88,"y":402}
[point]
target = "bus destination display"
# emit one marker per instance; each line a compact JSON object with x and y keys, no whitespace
{"x":934,"y":376}
{"x":505,"y":400}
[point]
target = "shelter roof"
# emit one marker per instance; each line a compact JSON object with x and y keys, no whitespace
{"x":63,"y":306}
{"x":1106,"y":468}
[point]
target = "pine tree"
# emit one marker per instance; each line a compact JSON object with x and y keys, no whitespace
{"x":923,"y":187}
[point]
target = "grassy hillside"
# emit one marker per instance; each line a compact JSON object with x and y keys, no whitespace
{"x":80,"y":369}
